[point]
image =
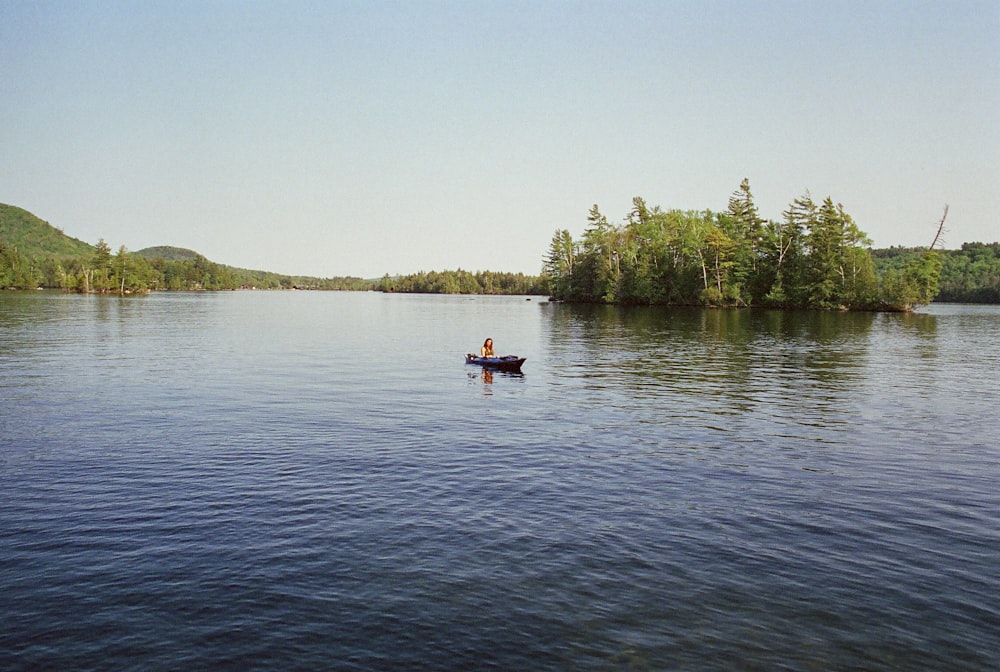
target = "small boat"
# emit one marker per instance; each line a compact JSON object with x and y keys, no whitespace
{"x":505,"y":363}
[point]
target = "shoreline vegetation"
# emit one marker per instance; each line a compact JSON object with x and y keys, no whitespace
{"x":815,"y":258}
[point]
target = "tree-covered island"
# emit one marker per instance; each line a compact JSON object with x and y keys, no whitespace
{"x":816,"y":257}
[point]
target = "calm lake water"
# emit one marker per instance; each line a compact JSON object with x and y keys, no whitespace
{"x":306,"y":480}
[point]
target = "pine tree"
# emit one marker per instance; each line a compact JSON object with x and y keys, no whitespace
{"x":600,"y":256}
{"x":745,"y":229}
{"x":100,"y":279}
{"x":559,"y":264}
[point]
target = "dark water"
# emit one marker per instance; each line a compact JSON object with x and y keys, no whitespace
{"x":317,"y":481}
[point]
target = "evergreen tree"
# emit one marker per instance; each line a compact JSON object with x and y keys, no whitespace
{"x":100,"y":275}
{"x":799,"y":219}
{"x":825,"y":259}
{"x":639,"y":214}
{"x":860,"y":285}
{"x":782,"y":252}
{"x":559,"y":264}
{"x":600,"y":257}
{"x":745,"y":229}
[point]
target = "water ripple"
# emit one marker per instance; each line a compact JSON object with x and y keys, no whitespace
{"x":261,"y":487}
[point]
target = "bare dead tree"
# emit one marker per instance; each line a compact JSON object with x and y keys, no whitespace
{"x":940,"y":229}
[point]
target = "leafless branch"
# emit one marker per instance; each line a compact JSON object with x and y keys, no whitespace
{"x":940,"y":229}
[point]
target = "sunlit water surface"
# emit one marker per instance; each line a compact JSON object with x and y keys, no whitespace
{"x":304,"y":480}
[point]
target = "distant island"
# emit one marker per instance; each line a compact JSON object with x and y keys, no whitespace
{"x":655,"y":257}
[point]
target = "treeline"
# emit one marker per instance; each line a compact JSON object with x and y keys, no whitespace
{"x":463,"y":282}
{"x":815,"y":257}
{"x":20,"y":272}
{"x":968,"y":275}
{"x":128,"y":273}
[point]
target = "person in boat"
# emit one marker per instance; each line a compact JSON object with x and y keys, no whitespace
{"x":487,"y":349}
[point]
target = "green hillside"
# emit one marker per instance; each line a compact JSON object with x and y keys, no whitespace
{"x":167,"y":253}
{"x":35,"y":238}
{"x":35,"y":254}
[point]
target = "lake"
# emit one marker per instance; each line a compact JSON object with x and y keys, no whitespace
{"x":316,"y":480}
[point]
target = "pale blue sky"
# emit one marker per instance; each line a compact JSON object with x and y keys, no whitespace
{"x":363,"y":138}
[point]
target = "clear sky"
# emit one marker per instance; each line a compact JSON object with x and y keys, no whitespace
{"x":362,"y":138}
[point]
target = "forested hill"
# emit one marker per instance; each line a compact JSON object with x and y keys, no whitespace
{"x":34,"y":253}
{"x":168,"y":253}
{"x":35,"y":238}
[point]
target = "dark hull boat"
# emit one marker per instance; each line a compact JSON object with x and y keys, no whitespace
{"x":505,"y":363}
